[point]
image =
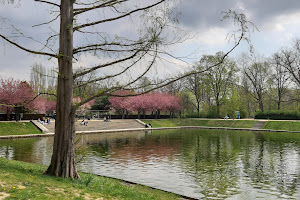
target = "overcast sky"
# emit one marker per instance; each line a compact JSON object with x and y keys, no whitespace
{"x":278,"y":22}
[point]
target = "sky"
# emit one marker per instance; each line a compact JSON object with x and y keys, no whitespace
{"x":278,"y":23}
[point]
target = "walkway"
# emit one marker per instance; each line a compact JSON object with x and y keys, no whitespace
{"x":101,"y":125}
{"x":259,"y":124}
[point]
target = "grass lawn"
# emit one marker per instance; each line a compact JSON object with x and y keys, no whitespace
{"x":20,"y":180}
{"x":200,"y":122}
{"x":282,"y":125}
{"x":18,"y":128}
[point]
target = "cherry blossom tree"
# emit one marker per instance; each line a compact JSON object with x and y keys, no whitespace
{"x":154,"y":102}
{"x":140,"y":104}
{"x":84,"y":107}
{"x":174,"y":103}
{"x":50,"y":105}
{"x":14,"y":93}
{"x":122,"y":104}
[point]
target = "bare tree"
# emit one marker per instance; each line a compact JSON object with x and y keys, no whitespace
{"x":280,"y":78}
{"x":43,"y":80}
{"x":290,"y":60}
{"x":131,"y":56}
{"x":257,"y":74}
{"x":196,"y":84}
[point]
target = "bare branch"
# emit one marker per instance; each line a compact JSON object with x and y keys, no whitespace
{"x":106,"y":64}
{"x":27,"y":102}
{"x":47,"y":22}
{"x":47,"y":2}
{"x":110,"y":91}
{"x":113,"y":89}
{"x":36,"y":96}
{"x":27,"y":50}
{"x":102,"y":5}
{"x":116,"y":18}
{"x":115,"y":75}
{"x":94,"y":47}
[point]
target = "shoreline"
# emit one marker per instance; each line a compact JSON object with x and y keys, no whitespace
{"x":144,"y":129}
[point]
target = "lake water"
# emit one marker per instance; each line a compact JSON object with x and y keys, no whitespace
{"x":204,"y":164}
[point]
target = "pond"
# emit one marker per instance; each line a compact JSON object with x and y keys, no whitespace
{"x":204,"y":164}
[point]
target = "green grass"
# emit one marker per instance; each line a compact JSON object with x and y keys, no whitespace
{"x":282,"y":125}
{"x":20,"y":180}
{"x":200,"y":122}
{"x":18,"y":128}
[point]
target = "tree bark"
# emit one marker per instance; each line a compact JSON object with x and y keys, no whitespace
{"x":63,"y":157}
{"x":261,"y":105}
{"x":218,"y":109}
{"x":7,"y":114}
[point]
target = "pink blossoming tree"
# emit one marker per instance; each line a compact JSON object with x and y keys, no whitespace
{"x":154,"y":102}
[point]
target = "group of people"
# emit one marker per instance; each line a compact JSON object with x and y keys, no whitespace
{"x":106,"y":118}
{"x":148,"y":125}
{"x":85,"y":123}
{"x":44,"y":120}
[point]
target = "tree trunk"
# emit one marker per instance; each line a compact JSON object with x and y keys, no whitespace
{"x":63,"y":157}
{"x":261,"y":105}
{"x":279,"y":101}
{"x":218,"y":109}
{"x":7,"y":114}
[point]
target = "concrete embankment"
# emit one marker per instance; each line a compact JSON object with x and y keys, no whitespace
{"x":146,"y":129}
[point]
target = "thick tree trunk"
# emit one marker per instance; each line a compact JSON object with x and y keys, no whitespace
{"x":63,"y":157}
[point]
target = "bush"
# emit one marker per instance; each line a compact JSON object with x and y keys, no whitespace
{"x":195,"y":115}
{"x":212,"y":112}
{"x":278,"y":114}
{"x":243,"y":113}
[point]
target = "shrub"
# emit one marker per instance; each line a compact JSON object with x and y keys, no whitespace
{"x":278,"y":114}
{"x":195,"y":115}
{"x":243,"y":113}
{"x":212,"y":112}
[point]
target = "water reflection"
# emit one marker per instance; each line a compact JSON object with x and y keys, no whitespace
{"x":209,"y":164}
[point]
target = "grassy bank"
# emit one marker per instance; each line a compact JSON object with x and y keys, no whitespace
{"x":282,"y":125}
{"x":18,"y":128}
{"x":20,"y":180}
{"x":200,"y":122}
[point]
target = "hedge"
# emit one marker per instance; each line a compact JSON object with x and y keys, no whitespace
{"x":278,"y":114}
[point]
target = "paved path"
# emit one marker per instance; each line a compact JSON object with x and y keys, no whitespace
{"x":259,"y":124}
{"x":101,"y":125}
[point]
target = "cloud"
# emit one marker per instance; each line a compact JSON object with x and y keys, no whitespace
{"x":206,"y":14}
{"x":202,"y":14}
{"x":277,"y":20}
